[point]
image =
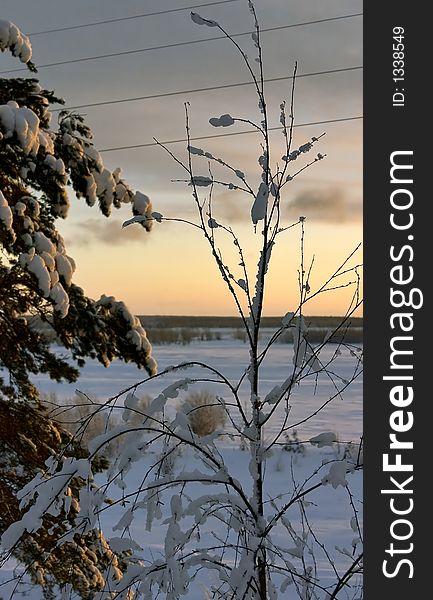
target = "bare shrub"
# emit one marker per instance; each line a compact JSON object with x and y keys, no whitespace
{"x":81,"y":416}
{"x":240,"y":334}
{"x":292,"y":443}
{"x":187,"y":335}
{"x":138,"y":415}
{"x":205,"y":413}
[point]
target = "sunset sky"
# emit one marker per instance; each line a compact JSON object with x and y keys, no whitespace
{"x":170,"y":271}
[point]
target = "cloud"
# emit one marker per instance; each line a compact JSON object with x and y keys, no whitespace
{"x":233,"y":207}
{"x":326,"y":205}
{"x":108,"y":232}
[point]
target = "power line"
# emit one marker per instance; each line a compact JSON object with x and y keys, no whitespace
{"x":186,"y":43}
{"x":219,"y":135}
{"x":140,"y":16}
{"x":205,"y":89}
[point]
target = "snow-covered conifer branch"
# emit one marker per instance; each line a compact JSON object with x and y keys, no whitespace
{"x":12,"y":39}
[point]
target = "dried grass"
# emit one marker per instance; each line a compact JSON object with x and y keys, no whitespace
{"x":205,"y":413}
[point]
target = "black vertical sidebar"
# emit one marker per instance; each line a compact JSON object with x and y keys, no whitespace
{"x":398,"y":330}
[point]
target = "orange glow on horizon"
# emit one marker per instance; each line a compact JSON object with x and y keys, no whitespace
{"x":172,"y":272}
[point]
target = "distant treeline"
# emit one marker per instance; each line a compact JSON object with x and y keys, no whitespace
{"x":186,"y":329}
{"x":181,"y":335}
{"x":163,"y":321}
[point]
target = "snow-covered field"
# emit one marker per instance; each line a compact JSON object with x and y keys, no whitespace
{"x":343,"y":415}
{"x":330,"y":512}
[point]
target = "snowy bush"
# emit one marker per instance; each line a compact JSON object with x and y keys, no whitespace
{"x":83,"y":418}
{"x":139,"y":414}
{"x":205,"y":412}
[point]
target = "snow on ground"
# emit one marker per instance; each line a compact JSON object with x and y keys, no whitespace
{"x":329,"y":512}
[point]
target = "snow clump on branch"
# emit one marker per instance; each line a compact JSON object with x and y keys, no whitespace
{"x":136,"y":334}
{"x":200,"y":21}
{"x":12,"y":39}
